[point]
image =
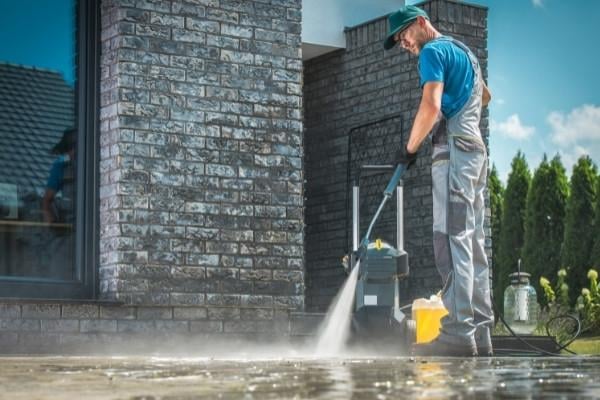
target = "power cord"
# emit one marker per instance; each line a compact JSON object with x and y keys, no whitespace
{"x":536,"y":350}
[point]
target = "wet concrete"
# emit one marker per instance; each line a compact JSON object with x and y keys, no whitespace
{"x":359,"y":378}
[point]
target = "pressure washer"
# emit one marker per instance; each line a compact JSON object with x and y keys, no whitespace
{"x":377,"y":310}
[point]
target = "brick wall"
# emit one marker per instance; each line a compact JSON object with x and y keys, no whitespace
{"x":201,"y":154}
{"x":104,"y":328}
{"x":349,"y":88}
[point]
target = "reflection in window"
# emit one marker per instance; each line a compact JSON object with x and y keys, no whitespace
{"x":37,"y":139}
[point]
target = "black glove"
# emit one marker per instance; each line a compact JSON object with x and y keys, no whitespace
{"x":403,"y":156}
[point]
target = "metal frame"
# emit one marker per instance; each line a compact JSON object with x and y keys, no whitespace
{"x":400,"y":216}
{"x":354,"y":242}
{"x":85,"y":285}
{"x":355,"y":217}
{"x":399,"y":213}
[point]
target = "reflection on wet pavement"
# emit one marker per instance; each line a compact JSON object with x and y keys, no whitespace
{"x":361,"y":378}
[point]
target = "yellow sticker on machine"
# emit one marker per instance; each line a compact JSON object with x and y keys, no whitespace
{"x":378,"y":244}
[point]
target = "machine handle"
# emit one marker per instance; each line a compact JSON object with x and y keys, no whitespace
{"x":389,"y":190}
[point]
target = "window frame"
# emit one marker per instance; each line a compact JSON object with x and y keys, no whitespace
{"x":85,"y":282}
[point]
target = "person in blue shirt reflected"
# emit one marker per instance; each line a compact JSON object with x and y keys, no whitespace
{"x":60,"y":179}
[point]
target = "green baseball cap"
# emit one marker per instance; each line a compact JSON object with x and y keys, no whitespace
{"x":399,"y":21}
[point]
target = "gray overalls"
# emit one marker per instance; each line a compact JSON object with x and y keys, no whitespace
{"x":459,"y":175}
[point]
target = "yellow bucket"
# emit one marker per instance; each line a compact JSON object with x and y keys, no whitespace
{"x":427,"y":314}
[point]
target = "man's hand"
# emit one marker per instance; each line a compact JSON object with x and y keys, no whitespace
{"x":403,"y":156}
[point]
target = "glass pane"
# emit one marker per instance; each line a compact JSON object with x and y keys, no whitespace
{"x":37,"y":139}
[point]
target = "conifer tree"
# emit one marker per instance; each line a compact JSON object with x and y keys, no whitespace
{"x":578,"y":237}
{"x":544,"y":220}
{"x":512,"y":234}
{"x":496,"y":190}
{"x":595,"y":256}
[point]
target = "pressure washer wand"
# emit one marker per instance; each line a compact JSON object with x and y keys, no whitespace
{"x":387,"y":194}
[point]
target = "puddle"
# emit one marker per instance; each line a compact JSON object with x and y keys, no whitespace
{"x":361,"y":378}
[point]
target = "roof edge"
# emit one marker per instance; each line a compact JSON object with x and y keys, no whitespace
{"x":458,"y":2}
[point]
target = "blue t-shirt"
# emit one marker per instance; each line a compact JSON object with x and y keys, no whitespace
{"x":56,"y":177}
{"x":440,"y":60}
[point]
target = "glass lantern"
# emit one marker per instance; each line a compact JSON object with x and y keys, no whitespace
{"x":520,"y":304}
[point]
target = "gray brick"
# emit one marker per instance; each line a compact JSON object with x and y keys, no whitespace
{"x":203,"y":259}
{"x":61,"y":325}
{"x":98,"y":325}
{"x":8,"y":341}
{"x":202,"y":25}
{"x":237,"y":57}
{"x":10,"y":311}
{"x":117,"y":312}
{"x":188,"y":299}
{"x":20,"y":325}
{"x":236,"y":30}
{"x":296,"y":302}
{"x":136,"y":326}
{"x":188,"y":8}
{"x":183,"y":35}
{"x":248,"y":326}
{"x":221,"y":93}
{"x":172,"y":21}
{"x":255,"y":314}
{"x":35,"y":342}
{"x":271,"y":36}
{"x":223,"y":42}
{"x":40,"y":311}
{"x":80,"y":311}
{"x":172,"y":326}
{"x":206,"y":326}
{"x":145,"y":313}
{"x":222,"y":15}
{"x":222,"y":247}
{"x":154,"y":5}
{"x":133,"y":15}
{"x":256,"y":274}
{"x":190,"y":313}
{"x":223,"y":313}
{"x":153,"y":31}
{"x":255,"y":20}
{"x":257,"y":300}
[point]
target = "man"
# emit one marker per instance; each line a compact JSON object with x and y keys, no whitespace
{"x":453,"y":95}
{"x":56,"y":250}
{"x":61,"y":177}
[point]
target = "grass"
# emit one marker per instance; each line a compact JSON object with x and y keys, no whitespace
{"x":588,"y":345}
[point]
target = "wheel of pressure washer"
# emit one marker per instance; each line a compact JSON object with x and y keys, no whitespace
{"x":410,"y":332}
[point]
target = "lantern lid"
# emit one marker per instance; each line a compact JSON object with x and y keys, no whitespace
{"x":519,"y":277}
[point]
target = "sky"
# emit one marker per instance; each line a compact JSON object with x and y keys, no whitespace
{"x":543,"y":66}
{"x":38,"y":33}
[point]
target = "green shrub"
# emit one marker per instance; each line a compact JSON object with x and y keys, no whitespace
{"x":587,"y":306}
{"x":588,"y":303}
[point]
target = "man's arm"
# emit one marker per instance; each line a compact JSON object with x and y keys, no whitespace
{"x":429,"y":109}
{"x":47,"y":201}
{"x":486,"y":96}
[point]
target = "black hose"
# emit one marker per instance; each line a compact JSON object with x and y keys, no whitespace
{"x":535,"y":349}
{"x":572,"y":339}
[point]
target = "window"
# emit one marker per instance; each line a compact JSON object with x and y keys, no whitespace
{"x":48,"y":70}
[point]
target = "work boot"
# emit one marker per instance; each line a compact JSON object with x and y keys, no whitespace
{"x":483,"y":340}
{"x":437,"y":348}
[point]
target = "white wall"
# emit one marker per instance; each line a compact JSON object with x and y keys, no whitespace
{"x":323,"y":21}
